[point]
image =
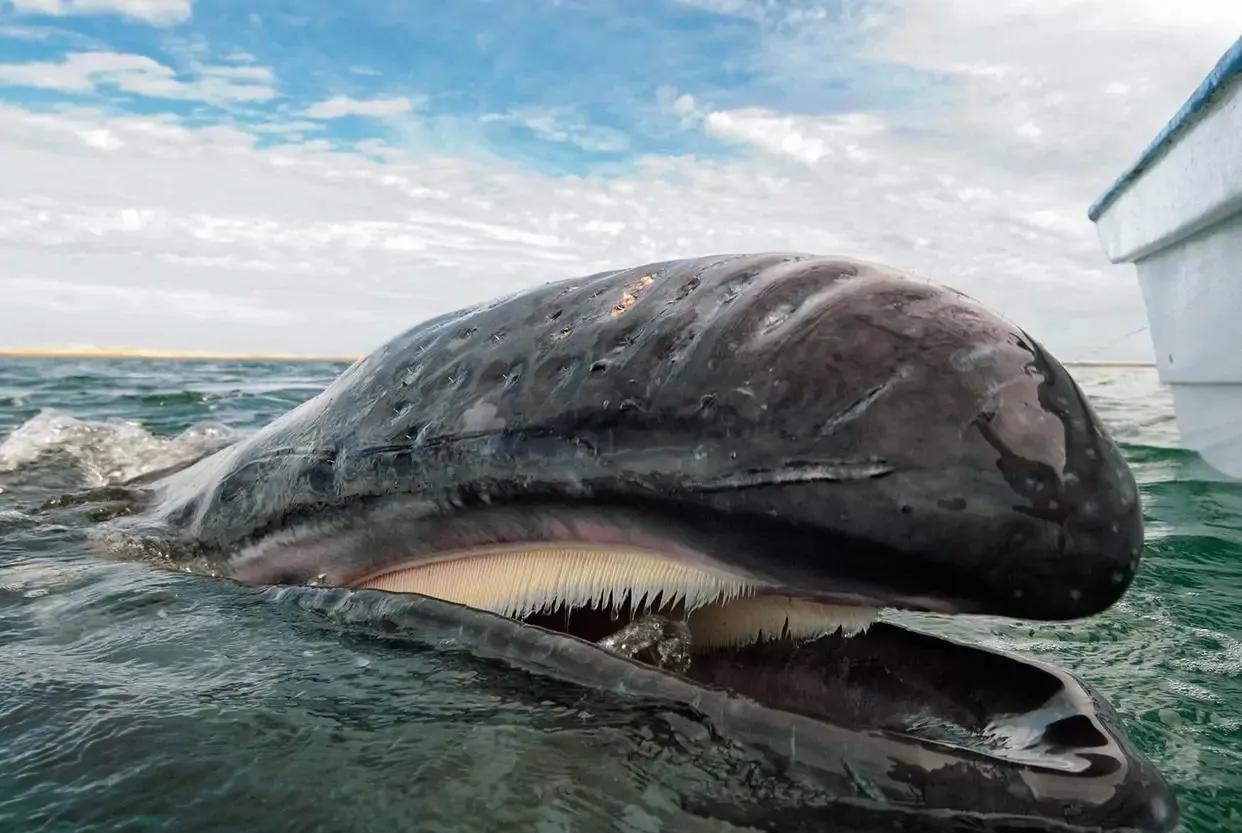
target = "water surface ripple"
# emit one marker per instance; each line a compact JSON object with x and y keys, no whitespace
{"x":138,"y":699}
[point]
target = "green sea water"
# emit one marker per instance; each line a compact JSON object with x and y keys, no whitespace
{"x":134,"y":698}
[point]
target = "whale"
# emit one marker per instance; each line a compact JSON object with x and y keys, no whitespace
{"x":712,"y":481}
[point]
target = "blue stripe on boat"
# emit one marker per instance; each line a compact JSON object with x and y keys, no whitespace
{"x":1227,"y":69}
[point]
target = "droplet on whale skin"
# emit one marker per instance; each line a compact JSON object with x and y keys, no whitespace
{"x":481,"y":416}
{"x":972,"y":357}
{"x":777,"y":316}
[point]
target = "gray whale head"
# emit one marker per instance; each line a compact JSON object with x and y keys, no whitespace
{"x":822,"y":424}
{"x":769,"y":446}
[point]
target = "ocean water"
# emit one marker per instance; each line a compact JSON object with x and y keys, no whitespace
{"x":137,"y":698}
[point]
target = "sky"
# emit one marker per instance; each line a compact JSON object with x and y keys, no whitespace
{"x":315,"y":177}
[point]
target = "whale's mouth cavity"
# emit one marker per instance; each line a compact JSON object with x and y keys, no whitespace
{"x":831,"y":662}
{"x":711,"y":625}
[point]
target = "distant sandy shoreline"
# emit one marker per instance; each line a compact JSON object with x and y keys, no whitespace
{"x":90,"y":352}
{"x":1106,"y":363}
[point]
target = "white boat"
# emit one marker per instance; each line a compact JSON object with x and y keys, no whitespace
{"x":1176,"y":214}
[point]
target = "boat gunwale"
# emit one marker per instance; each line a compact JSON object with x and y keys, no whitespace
{"x":1227,"y":70}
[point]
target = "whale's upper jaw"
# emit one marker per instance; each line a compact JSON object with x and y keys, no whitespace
{"x":895,"y":433}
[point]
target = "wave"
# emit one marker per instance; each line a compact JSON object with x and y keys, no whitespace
{"x":164,"y":400}
{"x":106,"y":452}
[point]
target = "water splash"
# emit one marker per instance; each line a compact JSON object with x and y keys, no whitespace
{"x":106,"y":452}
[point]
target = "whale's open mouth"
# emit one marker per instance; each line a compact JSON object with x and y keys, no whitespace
{"x":722,"y":629}
{"x":723,"y":601}
{"x":683,"y":593}
{"x":793,"y":651}
{"x":593,"y":591}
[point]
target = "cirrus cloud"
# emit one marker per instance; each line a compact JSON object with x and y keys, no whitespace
{"x":156,"y":12}
{"x":81,"y":72}
{"x":340,"y":106}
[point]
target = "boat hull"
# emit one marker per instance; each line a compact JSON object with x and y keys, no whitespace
{"x":1177,"y":216}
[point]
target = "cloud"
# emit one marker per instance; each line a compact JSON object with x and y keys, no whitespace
{"x":983,"y":185}
{"x":155,"y":12}
{"x":1020,"y":102}
{"x":758,"y":11}
{"x":374,"y":245}
{"x":81,"y":72}
{"x":60,"y":297}
{"x":339,"y":106}
{"x":289,"y":126}
{"x":561,"y":125}
{"x":251,"y":74}
{"x":38,"y":33}
{"x":806,"y":139}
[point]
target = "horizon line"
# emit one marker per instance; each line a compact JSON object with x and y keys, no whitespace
{"x":86,"y":351}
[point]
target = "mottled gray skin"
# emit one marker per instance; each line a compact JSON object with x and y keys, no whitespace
{"x":828,"y":425}
{"x":830,"y":428}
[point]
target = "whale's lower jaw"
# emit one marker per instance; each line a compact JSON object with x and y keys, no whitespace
{"x":906,"y":722}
